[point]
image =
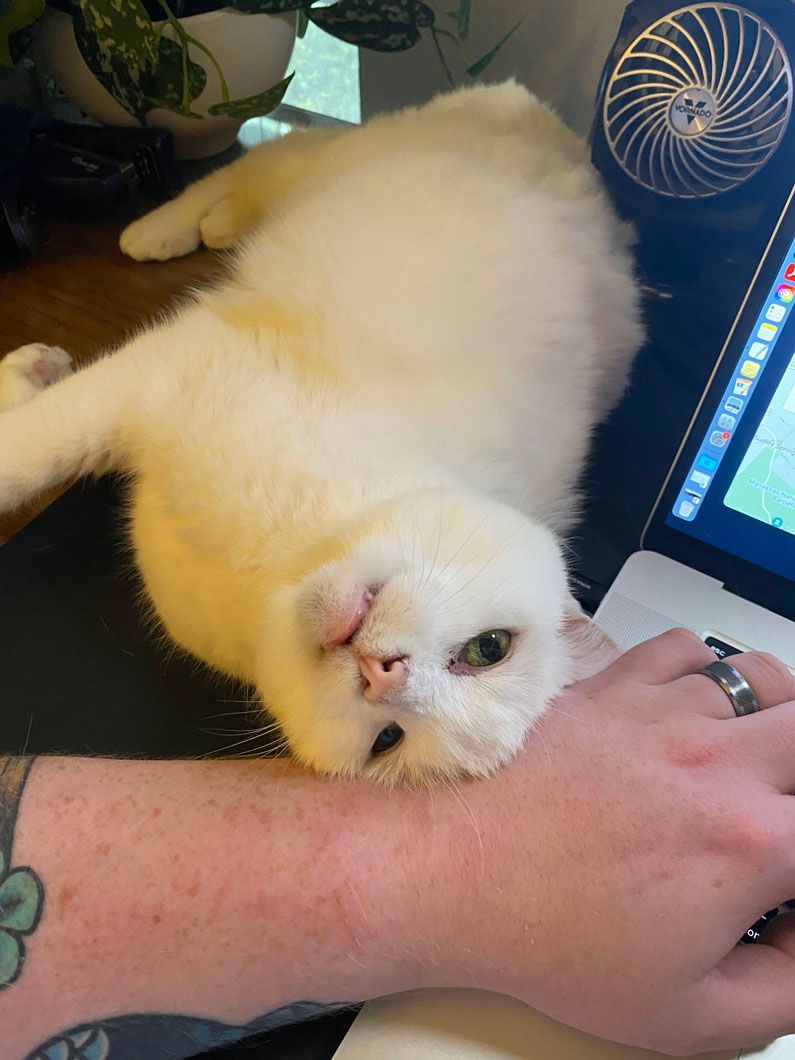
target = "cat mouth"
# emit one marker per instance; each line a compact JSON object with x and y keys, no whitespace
{"x":346,"y":623}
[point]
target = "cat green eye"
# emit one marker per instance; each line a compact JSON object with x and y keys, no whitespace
{"x":486,"y":649}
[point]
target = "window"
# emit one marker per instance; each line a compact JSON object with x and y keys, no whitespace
{"x":325,"y":89}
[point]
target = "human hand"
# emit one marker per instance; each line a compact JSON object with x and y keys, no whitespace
{"x":618,"y":861}
{"x":603,"y":877}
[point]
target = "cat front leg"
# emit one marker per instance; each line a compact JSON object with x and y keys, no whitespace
{"x":175,"y":229}
{"x":222,"y":208}
{"x":73,"y":427}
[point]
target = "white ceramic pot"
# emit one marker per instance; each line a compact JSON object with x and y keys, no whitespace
{"x":252,"y":50}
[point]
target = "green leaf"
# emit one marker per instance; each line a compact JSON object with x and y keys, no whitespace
{"x":254,"y":106}
{"x":380,"y":25}
{"x":20,"y":901}
{"x":478,"y":67}
{"x":165,"y":86}
{"x":464,"y":17}
{"x":15,"y":25}
{"x":268,"y":7}
{"x":302,"y":25}
{"x":119,"y":44}
{"x":11,"y":954}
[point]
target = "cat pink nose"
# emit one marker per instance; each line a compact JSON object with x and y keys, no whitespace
{"x":381,"y":676}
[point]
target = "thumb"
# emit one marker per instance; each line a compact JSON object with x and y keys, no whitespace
{"x":752,"y":990}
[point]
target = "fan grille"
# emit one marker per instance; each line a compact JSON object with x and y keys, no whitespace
{"x":699,"y":101}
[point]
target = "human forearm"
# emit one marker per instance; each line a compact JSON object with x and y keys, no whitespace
{"x":642,"y":813}
{"x":219,"y":890}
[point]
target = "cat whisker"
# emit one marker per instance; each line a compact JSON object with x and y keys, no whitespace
{"x":271,"y":743}
{"x":536,"y":732}
{"x":445,"y":601}
{"x":459,"y":550}
{"x":265,"y":752}
{"x":427,"y":577}
{"x":477,"y":573}
{"x":430,"y":786}
{"x":271,"y":725}
{"x":257,"y":735}
{"x":494,"y":587}
{"x":566,"y":714}
{"x":220,"y":732}
{"x":459,"y":798}
{"x":231,"y":714}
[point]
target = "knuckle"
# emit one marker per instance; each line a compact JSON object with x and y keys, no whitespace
{"x":694,"y":750}
{"x":686,"y":641}
{"x":686,"y":637}
{"x":748,"y":838}
{"x":771,"y":673}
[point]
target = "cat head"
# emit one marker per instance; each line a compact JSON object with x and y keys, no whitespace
{"x":426,"y":642}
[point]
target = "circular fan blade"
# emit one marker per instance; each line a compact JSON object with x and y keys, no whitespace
{"x":699,"y":101}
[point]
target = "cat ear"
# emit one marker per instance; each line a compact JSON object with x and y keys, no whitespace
{"x":590,"y":648}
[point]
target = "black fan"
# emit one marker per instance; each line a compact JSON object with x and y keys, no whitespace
{"x":694,"y":131}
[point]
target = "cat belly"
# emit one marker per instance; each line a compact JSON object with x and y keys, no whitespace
{"x":200,"y":601}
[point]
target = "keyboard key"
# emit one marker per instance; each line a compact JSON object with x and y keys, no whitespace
{"x":724,"y":648}
{"x":721,"y":648}
{"x":754,"y":932}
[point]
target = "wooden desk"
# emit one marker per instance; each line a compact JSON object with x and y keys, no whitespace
{"x":80,"y":292}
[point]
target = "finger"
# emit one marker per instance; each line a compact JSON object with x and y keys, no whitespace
{"x":750,"y":995}
{"x":780,"y":933}
{"x":768,"y":738}
{"x":770,"y":679}
{"x":661,"y":659}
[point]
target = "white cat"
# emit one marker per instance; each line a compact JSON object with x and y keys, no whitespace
{"x":350,"y":460}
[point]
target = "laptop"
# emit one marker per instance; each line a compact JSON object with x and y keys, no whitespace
{"x":718,"y":551}
{"x":717,"y":556}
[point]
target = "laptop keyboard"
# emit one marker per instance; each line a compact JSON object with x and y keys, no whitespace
{"x":721,"y":648}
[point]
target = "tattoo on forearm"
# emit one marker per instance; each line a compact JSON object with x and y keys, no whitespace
{"x":164,"y":1037}
{"x":21,"y":890}
{"x":155,"y":1036}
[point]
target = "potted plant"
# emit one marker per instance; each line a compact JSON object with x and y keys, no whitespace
{"x":201,"y":67}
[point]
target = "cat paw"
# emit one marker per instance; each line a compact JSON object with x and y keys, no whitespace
{"x":162,"y":234}
{"x":218,"y":228}
{"x":39,"y":363}
{"x":29,"y":369}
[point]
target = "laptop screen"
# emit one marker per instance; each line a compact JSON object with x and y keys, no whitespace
{"x":733,"y":486}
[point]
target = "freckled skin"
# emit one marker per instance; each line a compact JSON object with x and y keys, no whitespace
{"x":568,"y":880}
{"x":65,"y":896}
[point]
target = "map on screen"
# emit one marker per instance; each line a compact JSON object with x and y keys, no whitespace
{"x":764,"y":484}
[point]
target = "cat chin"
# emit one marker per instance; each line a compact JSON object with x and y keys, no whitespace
{"x":417,"y":770}
{"x":410,"y":769}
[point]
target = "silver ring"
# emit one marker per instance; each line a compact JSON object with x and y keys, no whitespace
{"x":741,"y":695}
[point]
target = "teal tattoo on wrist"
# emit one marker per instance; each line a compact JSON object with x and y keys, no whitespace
{"x":21,"y":890}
